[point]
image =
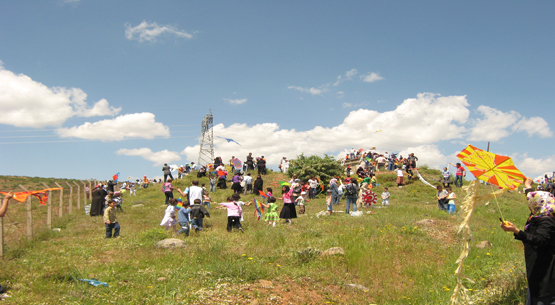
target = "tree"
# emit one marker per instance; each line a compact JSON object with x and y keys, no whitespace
{"x":324,"y":168}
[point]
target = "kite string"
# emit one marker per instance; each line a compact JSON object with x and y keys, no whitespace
{"x":497,"y":203}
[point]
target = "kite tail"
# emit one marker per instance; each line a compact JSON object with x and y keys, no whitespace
{"x":471,"y":200}
{"x":422,"y":179}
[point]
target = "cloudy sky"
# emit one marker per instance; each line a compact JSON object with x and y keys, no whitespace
{"x":91,"y":88}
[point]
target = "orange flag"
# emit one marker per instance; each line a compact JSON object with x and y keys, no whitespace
{"x":41,"y":195}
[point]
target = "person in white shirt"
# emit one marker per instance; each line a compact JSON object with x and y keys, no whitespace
{"x":248,"y":183}
{"x":195,"y":192}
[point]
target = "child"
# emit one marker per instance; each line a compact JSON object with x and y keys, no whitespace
{"x":213,"y":181}
{"x":237,"y":199}
{"x":441,"y":196}
{"x":132,"y":189}
{"x":451,"y":204}
{"x":446,"y":177}
{"x":271,"y":215}
{"x":385,"y":196}
{"x":328,"y":202}
{"x":400,"y":177}
{"x":206,"y":199}
{"x":169,"y":216}
{"x":373,"y":181}
{"x":198,"y":212}
{"x":234,"y":212}
{"x":183,"y":218}
{"x":111,"y":220}
{"x":300,"y":202}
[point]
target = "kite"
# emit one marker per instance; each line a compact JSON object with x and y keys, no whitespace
{"x":41,"y":195}
{"x":237,"y":163}
{"x":263,"y":194}
{"x":422,"y":179}
{"x":229,"y":140}
{"x":115,"y":177}
{"x":282,"y":183}
{"x":222,"y":174}
{"x":369,"y":198}
{"x":259,"y":209}
{"x":179,"y":204}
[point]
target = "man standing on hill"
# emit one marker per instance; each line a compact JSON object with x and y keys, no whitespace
{"x":461,"y":172}
{"x":167,"y":172}
{"x":250,"y":162}
{"x":195,"y":192}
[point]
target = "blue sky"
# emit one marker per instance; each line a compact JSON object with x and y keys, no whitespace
{"x":91,"y":88}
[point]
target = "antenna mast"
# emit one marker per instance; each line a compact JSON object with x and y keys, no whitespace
{"x":206,"y":153}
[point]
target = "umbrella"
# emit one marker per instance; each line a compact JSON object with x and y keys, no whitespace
{"x":237,"y":163}
{"x":495,"y":169}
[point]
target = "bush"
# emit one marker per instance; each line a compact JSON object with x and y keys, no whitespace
{"x":324,"y":168}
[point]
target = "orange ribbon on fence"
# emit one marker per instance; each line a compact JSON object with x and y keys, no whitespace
{"x":41,"y":195}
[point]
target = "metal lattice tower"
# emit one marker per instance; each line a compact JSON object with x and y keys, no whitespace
{"x":206,"y":153}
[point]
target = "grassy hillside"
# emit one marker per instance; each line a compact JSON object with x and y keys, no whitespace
{"x":402,"y":254}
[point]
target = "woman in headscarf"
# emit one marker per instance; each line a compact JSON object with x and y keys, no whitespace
{"x":236,"y":186}
{"x":538,"y":238}
{"x":258,"y":185}
{"x":97,"y":204}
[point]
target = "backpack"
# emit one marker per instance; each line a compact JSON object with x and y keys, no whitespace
{"x":350,"y":190}
{"x":297,"y":189}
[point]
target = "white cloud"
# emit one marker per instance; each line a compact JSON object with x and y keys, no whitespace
{"x":27,"y":103}
{"x":236,"y":101}
{"x":534,"y":125}
{"x":497,"y":125}
{"x":351,"y":105}
{"x":159,"y":157}
{"x":348,"y":76}
{"x":371,"y":77}
{"x":312,"y":90}
{"x":146,"y":31}
{"x":136,"y":125}
{"x":418,"y":123}
{"x":531,"y":167}
{"x":494,"y":126}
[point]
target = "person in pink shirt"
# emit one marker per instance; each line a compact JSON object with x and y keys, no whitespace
{"x":234,"y":212}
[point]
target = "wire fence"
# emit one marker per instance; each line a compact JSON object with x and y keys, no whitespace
{"x":26,"y":220}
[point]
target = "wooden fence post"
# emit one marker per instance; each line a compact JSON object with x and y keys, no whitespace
{"x":60,"y":206}
{"x":48,"y":209}
{"x":84,"y":193}
{"x":29,"y":214}
{"x":78,"y":196}
{"x":70,"y":197}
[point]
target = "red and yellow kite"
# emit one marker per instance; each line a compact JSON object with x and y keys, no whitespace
{"x":495,"y":169}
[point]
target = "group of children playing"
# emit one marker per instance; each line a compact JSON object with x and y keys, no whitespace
{"x":446,"y":199}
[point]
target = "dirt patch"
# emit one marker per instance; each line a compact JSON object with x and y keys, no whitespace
{"x":442,"y":230}
{"x":284,"y":291}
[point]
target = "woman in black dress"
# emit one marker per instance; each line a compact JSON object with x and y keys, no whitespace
{"x":97,"y":204}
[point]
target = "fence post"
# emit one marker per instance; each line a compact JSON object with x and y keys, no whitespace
{"x":84,"y":193}
{"x":60,"y":206}
{"x":78,"y":196}
{"x":29,"y":214}
{"x":70,"y":197}
{"x":48,"y":209}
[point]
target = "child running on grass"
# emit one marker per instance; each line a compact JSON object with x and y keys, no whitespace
{"x":234,"y":212}
{"x":451,"y":204}
{"x":169,"y":216}
{"x":183,"y":218}
{"x":197,"y":213}
{"x":300,"y":202}
{"x":271,"y":215}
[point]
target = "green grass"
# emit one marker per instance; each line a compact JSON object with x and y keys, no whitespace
{"x":398,"y":260}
